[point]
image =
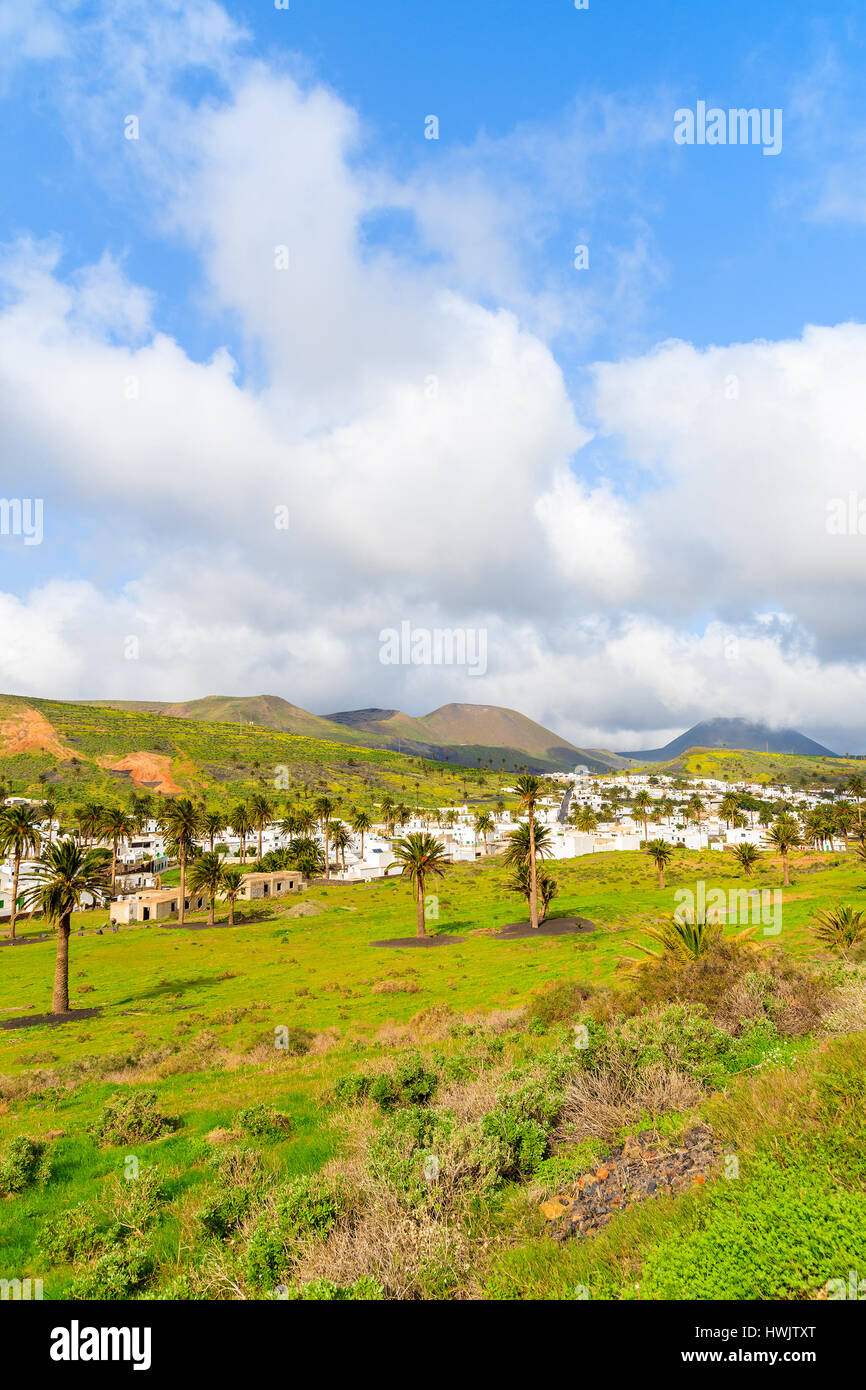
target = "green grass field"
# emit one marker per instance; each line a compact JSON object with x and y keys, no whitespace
{"x":190,"y":1015}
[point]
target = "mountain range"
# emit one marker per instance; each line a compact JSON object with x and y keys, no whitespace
{"x":467,"y":734}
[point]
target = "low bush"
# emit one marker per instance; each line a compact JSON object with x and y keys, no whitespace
{"x":25,"y":1163}
{"x":132,"y":1117}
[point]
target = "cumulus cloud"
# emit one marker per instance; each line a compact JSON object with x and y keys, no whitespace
{"x":391,"y":437}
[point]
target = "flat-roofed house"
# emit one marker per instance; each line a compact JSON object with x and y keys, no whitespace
{"x":154,"y":905}
{"x":270,"y":885}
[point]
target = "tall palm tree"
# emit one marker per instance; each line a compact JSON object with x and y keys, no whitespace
{"x":90,"y":820}
{"x":65,"y":874}
{"x":530,"y":790}
{"x":232,"y":883}
{"x":241,"y":825}
{"x":361,"y":823}
{"x":116,"y":825}
{"x":49,"y":812}
{"x":642,"y":803}
{"x":213,"y":823}
{"x":261,"y":811}
{"x":483,"y":826}
{"x":180,"y":822}
{"x":843,"y":819}
{"x":421,"y":856}
{"x":19,"y":837}
{"x":206,"y":874}
{"x":695,"y":809}
{"x":305,"y":820}
{"x":661,"y":855}
{"x":730,"y":804}
{"x":324,"y":808}
{"x":855,"y":784}
{"x":340,"y":838}
{"x":499,"y":806}
{"x":784,"y":835}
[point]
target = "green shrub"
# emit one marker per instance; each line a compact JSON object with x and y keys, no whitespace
{"x":73,"y":1235}
{"x":221,"y":1215}
{"x":364,"y":1289}
{"x":558,"y":1003}
{"x":25,"y":1163}
{"x":263,"y":1122}
{"x":117,"y":1274}
{"x":131,"y":1117}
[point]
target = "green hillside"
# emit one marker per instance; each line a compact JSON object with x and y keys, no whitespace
{"x":742,"y":765}
{"x":103,"y":751}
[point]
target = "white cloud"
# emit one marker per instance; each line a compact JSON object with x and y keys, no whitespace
{"x":424,"y":442}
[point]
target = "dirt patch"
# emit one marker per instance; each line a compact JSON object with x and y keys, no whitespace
{"x":556,"y":926}
{"x":411,"y":941}
{"x":641,"y":1168}
{"x":151,"y":770}
{"x":27,"y":731}
{"x":37,"y":1020}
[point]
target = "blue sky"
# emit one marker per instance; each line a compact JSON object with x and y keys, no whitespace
{"x":658,"y":523}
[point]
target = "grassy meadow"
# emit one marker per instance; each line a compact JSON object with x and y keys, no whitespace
{"x":250,"y":1113}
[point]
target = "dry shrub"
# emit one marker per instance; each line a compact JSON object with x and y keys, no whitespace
{"x":600,"y":1104}
{"x":848,"y":1005}
{"x":736,"y":986}
{"x":396,"y":987}
{"x":412,"y":1256}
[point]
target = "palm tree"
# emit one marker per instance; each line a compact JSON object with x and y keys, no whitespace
{"x":584,"y":819}
{"x":261,"y":811}
{"x":305,"y":820}
{"x":840,"y":927}
{"x":784,"y":835}
{"x":19,"y":837}
{"x":305,"y":853}
{"x":340,"y":838}
{"x":361,"y":823}
{"x":548,"y":888}
{"x":49,"y":811}
{"x":241,"y":825}
{"x":641,"y":804}
{"x":116,"y":825}
{"x":747,"y":857}
{"x":483,"y":826}
{"x":65,"y":875}
{"x":729,"y":807}
{"x":843,"y":819}
{"x":818,"y":826}
{"x":181,"y":824}
{"x":695,"y":809}
{"x":231,"y":884}
{"x":213,"y":823}
{"x":90,"y":820}
{"x":661,"y":855}
{"x":685,"y":938}
{"x":855,"y":784}
{"x":206,"y":874}
{"x":421,"y":856}
{"x":499,"y":806}
{"x":530,"y":789}
{"x":324,"y":808}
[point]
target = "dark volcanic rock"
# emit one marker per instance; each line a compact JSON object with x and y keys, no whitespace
{"x":642,"y":1167}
